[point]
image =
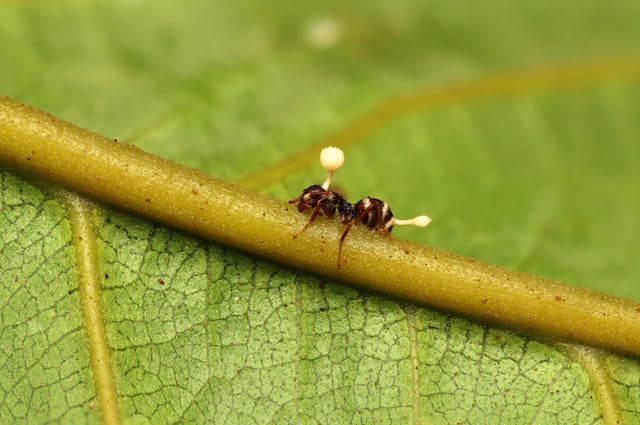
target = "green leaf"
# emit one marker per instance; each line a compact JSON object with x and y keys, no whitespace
{"x":541,"y":178}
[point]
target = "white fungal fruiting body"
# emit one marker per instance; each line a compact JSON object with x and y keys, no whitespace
{"x":331,"y":158}
{"x":420,"y":221}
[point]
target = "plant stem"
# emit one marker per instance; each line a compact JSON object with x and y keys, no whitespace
{"x":124,"y":176}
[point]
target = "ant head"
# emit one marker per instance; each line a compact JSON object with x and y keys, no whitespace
{"x":331,"y":158}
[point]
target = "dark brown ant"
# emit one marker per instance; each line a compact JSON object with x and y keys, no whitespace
{"x":371,"y":212}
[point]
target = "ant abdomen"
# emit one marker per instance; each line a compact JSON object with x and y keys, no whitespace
{"x":374,"y":213}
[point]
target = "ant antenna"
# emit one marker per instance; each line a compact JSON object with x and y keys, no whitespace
{"x":331,"y":159}
{"x":420,"y":221}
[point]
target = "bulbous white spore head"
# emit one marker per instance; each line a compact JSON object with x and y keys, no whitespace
{"x":421,"y":221}
{"x":331,"y":158}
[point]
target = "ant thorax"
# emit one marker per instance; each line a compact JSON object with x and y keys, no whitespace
{"x":347,"y":213}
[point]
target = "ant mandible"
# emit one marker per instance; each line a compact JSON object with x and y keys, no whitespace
{"x":371,"y":212}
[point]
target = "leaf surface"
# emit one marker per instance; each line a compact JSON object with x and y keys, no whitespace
{"x":540,"y":178}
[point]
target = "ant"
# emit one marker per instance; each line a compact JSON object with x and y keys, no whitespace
{"x":371,"y":212}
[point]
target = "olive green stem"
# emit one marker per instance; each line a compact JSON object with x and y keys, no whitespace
{"x":124,"y":176}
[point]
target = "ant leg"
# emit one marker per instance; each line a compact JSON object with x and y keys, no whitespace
{"x":362,"y":215}
{"x":344,"y":235}
{"x":346,"y":230}
{"x":314,"y":214}
{"x":316,"y":211}
{"x":301,"y":206}
{"x":380,"y":227}
{"x":396,"y":243}
{"x":379,"y":219}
